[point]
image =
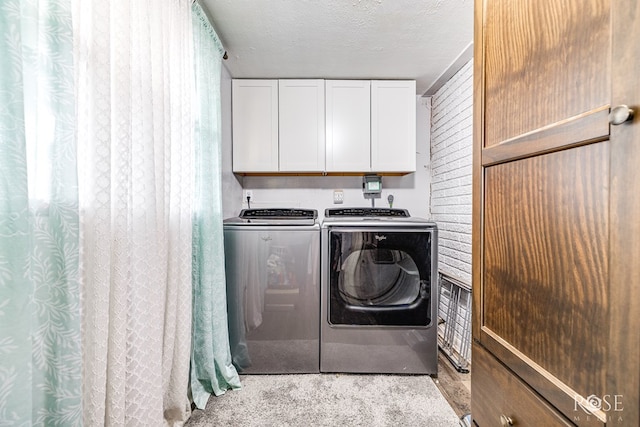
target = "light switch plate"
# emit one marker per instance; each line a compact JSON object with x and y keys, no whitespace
{"x":338,"y":197}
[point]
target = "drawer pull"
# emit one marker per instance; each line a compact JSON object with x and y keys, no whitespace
{"x":506,"y":421}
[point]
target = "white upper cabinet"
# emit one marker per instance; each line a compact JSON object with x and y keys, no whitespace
{"x":302,"y":125}
{"x":348,"y":116}
{"x":255,"y":125}
{"x":393,"y":126}
{"x":308,"y":125}
{"x":371,"y":125}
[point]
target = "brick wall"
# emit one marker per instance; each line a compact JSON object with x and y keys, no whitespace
{"x":451,"y":159}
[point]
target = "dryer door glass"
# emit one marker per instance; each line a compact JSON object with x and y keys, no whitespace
{"x":380,"y":277}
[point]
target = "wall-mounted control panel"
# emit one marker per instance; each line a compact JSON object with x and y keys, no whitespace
{"x":372,"y":184}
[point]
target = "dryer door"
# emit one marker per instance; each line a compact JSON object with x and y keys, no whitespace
{"x":381,"y":276}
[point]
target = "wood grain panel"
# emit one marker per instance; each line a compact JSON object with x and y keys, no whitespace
{"x":546,"y":268}
{"x":478,"y":181}
{"x":545,"y":61}
{"x":496,"y":391}
{"x":546,"y":385}
{"x":624,"y":334}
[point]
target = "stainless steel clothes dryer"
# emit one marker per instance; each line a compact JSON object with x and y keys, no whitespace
{"x":379,"y":292}
{"x":273,"y":285}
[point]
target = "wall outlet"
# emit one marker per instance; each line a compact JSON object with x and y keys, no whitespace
{"x":338,"y":197}
{"x":247,"y":193}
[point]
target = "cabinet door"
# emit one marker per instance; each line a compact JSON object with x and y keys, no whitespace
{"x":255,"y":125}
{"x":509,"y":400}
{"x":301,"y":125}
{"x":393,"y":126}
{"x":555,"y":245}
{"x":545,"y":274}
{"x":348,"y":128}
{"x":548,"y":68}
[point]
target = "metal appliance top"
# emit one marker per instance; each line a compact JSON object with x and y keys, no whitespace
{"x":366,"y":212}
{"x":373,"y":217}
{"x":274,"y":217}
{"x":279,"y":213}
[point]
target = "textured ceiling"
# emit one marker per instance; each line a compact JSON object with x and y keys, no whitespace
{"x":343,"y":39}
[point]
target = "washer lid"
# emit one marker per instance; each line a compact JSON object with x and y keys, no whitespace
{"x":275,"y":216}
{"x":279,"y":213}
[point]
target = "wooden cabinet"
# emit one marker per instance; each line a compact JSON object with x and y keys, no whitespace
{"x":555,"y":247}
{"x":393,"y":125}
{"x":507,"y":398}
{"x":301,"y":125}
{"x":348,"y":115}
{"x":255,"y":125}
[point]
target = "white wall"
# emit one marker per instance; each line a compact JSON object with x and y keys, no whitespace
{"x":451,"y":204}
{"x":231,"y":184}
{"x":410,"y":191}
{"x":451,"y":179}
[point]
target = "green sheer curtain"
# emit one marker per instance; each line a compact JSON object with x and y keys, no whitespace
{"x":211,"y":367}
{"x":40,"y":373}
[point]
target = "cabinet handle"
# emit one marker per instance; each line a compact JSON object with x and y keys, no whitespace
{"x":620,"y":115}
{"x":506,"y":421}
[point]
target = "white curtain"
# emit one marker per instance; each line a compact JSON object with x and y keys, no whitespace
{"x":134,"y":85}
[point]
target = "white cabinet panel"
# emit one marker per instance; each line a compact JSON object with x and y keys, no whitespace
{"x":255,"y":125}
{"x":301,"y":125}
{"x":348,"y":128}
{"x":393,"y":126}
{"x":310,"y":125}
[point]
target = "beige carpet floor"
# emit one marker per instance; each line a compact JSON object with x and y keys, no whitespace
{"x":329,"y":400}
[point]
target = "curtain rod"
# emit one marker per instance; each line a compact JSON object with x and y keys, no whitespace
{"x":225,"y":56}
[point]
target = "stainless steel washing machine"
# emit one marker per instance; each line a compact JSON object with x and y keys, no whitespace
{"x":379,"y":292}
{"x":272,"y":259}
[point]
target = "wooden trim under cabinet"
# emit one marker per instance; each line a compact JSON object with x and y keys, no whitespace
{"x":498,"y":396}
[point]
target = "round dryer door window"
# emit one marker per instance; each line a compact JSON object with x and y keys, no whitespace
{"x":385,"y":277}
{"x":380,"y":277}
